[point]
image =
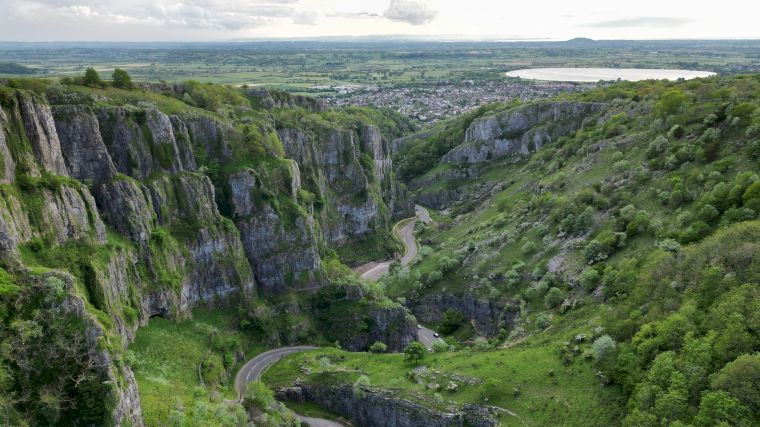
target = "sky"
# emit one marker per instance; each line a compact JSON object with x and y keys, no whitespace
{"x":223,"y":20}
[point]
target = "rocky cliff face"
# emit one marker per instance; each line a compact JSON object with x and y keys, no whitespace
{"x":347,"y":313}
{"x":375,"y":408}
{"x":281,"y":245}
{"x":520,"y":131}
{"x":271,"y":99}
{"x":352,"y":170}
{"x":486,"y":316}
{"x":146,"y":231}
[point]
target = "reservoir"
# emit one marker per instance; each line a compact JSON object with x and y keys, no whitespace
{"x":606,"y":74}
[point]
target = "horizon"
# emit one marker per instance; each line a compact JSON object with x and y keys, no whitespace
{"x":379,"y":38}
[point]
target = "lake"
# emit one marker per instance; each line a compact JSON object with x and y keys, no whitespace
{"x":606,"y":74}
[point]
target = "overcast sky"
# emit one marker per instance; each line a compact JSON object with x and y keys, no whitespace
{"x":207,"y":20}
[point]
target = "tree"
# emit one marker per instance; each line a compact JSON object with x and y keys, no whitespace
{"x":554,"y":297}
{"x":603,"y":347}
{"x":719,"y":407}
{"x":122,"y":80}
{"x":259,"y":396}
{"x":741,"y":379}
{"x":415,"y":352}
{"x":378,"y":347}
{"x":91,"y":78}
{"x":361,"y":385}
{"x":452,"y":320}
{"x":670,"y":102}
{"x":440,"y":347}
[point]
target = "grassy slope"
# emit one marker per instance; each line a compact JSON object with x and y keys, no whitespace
{"x":595,"y":168}
{"x":572,"y":395}
{"x":166,"y":355}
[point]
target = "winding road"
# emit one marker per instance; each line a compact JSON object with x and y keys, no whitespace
{"x":404,"y":230}
{"x":255,"y":367}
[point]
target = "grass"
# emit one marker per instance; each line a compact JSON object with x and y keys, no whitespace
{"x":528,"y":378}
{"x":165,"y":357}
{"x":308,"y":409}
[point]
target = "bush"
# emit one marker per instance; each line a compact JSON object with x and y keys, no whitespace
{"x":361,"y":385}
{"x":121,"y":79}
{"x":378,"y":347}
{"x":92,"y":79}
{"x":415,"y":352}
{"x":543,"y":321}
{"x":433,"y":277}
{"x":603,"y":347}
{"x":554,"y":297}
{"x":589,"y":279}
{"x":440,"y":347}
{"x":452,"y":320}
{"x":528,"y":248}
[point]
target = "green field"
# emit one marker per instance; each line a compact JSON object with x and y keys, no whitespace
{"x":300,"y":66}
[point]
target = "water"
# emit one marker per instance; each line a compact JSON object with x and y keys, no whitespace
{"x":606,"y":74}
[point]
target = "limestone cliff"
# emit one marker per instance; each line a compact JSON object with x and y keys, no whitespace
{"x":519,"y":131}
{"x":350,"y":172}
{"x":155,"y":214}
{"x":375,"y":408}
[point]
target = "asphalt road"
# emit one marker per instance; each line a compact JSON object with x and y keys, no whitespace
{"x":426,"y":337}
{"x":405,"y":231}
{"x":255,"y":367}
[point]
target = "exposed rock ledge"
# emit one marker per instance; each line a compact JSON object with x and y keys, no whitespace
{"x":376,"y":408}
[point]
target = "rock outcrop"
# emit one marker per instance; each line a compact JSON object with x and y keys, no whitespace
{"x":271,"y":99}
{"x":83,"y":148}
{"x":142,"y":142}
{"x":486,"y":316}
{"x":353,"y":170}
{"x":376,"y":408}
{"x":41,"y":133}
{"x":280,"y":245}
{"x":176,"y":239}
{"x":519,"y":131}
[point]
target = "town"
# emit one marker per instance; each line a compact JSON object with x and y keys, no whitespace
{"x":432,"y":103}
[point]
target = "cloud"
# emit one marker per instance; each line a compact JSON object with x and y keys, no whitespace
{"x":644,"y":21}
{"x":305,"y":18}
{"x":414,"y":12}
{"x":354,"y":15}
{"x":188,"y":14}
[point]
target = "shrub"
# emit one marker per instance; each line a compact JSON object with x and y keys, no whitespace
{"x":440,"y":347}
{"x":554,"y":297}
{"x":543,"y":321}
{"x":657,"y":147}
{"x":121,"y":79}
{"x":589,"y":279}
{"x":528,"y":248}
{"x":433,"y":277}
{"x":415,"y":352}
{"x":677,"y":132}
{"x":378,"y":347}
{"x":361,"y":385}
{"x":603,"y":347}
{"x":452,"y":320}
{"x":92,"y":79}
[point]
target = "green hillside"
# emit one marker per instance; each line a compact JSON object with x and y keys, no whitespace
{"x":621,"y":257}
